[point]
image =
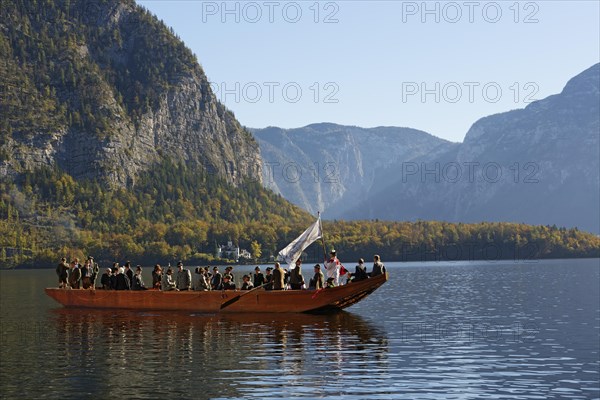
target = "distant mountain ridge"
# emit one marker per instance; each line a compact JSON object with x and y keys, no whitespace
{"x":329,"y":167}
{"x":537,"y":165}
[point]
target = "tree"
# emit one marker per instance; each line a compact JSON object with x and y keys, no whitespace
{"x":255,"y":249}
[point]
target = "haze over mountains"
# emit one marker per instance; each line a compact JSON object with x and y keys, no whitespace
{"x":331,"y":168}
{"x":537,"y":165}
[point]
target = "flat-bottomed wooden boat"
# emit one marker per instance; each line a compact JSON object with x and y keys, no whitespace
{"x":254,"y":301}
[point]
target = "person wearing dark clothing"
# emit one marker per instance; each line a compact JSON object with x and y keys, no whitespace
{"x":75,"y":275}
{"x":138,"y":280}
{"x":216,"y":280}
{"x":86,"y":275}
{"x":360,"y":272}
{"x":184,"y":278}
{"x":378,"y":267}
{"x":129,"y":271}
{"x":227,"y":284}
{"x":105,"y":279}
{"x":122,"y":282}
{"x":62,"y":270}
{"x":317,"y":281}
{"x":278,"y":277}
{"x":269,"y":279}
{"x":259,"y":278}
{"x":247,"y":285}
{"x":296,"y":278}
{"x":229,"y":271}
{"x":113,"y":277}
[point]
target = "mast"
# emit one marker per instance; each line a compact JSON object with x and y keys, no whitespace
{"x":322,"y":237}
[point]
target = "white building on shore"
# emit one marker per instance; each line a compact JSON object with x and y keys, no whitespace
{"x":228,"y":251}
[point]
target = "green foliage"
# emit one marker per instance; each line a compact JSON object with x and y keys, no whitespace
{"x":180,"y":212}
{"x":436,"y":241}
{"x":173,"y":212}
{"x":255,"y":250}
{"x":62,"y":63}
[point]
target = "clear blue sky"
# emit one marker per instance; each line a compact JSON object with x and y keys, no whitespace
{"x":434,"y":66}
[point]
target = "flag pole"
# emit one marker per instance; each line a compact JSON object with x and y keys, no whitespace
{"x":322,"y":237}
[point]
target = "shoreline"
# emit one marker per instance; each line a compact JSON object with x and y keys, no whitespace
{"x":305,"y":263}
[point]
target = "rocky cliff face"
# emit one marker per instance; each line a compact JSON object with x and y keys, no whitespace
{"x":117,"y":90}
{"x":538,"y":165}
{"x":330,"y":168}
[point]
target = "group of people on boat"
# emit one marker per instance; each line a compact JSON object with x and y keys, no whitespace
{"x":83,"y":276}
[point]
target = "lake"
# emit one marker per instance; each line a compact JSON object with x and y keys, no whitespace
{"x":438,"y":330}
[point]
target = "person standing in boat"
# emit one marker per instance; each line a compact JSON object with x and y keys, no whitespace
{"x":227,"y":283}
{"x":378,"y":267}
{"x":129,"y":272}
{"x":296,"y":278}
{"x":156,"y":276}
{"x":247,"y":285}
{"x":216,"y":279}
{"x":207,"y":277}
{"x":113,"y":276}
{"x":259,"y":278}
{"x":167,"y":283}
{"x":122,"y":281}
{"x":75,"y":275}
{"x":200,"y":282}
{"x":95,"y":272}
{"x":269,"y":279}
{"x":360,"y":272}
{"x":278,"y":277}
{"x":286,"y":278}
{"x":86,"y":274}
{"x":62,"y":270}
{"x":138,"y":280}
{"x":105,"y":279}
{"x":229,"y":271}
{"x":184,"y":278}
{"x":333,"y":266}
{"x":318,"y":279}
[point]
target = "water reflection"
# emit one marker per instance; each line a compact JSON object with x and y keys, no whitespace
{"x":434,"y":331}
{"x":216,"y":355}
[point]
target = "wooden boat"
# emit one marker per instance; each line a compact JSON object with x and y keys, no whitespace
{"x":253,"y":301}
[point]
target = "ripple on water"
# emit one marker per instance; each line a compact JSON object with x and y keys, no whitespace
{"x":435,"y":331}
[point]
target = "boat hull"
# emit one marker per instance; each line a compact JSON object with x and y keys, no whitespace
{"x":257,"y":301}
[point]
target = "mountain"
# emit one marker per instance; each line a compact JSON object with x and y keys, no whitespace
{"x":537,"y":165}
{"x":330,"y":168}
{"x":113,"y":144}
{"x":103,"y":90}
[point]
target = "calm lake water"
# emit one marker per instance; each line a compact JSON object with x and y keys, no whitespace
{"x":460,"y":330}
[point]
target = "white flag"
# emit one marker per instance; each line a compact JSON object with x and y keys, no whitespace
{"x":294,"y":250}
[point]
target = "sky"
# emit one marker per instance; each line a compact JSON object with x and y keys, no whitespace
{"x":433,"y":66}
